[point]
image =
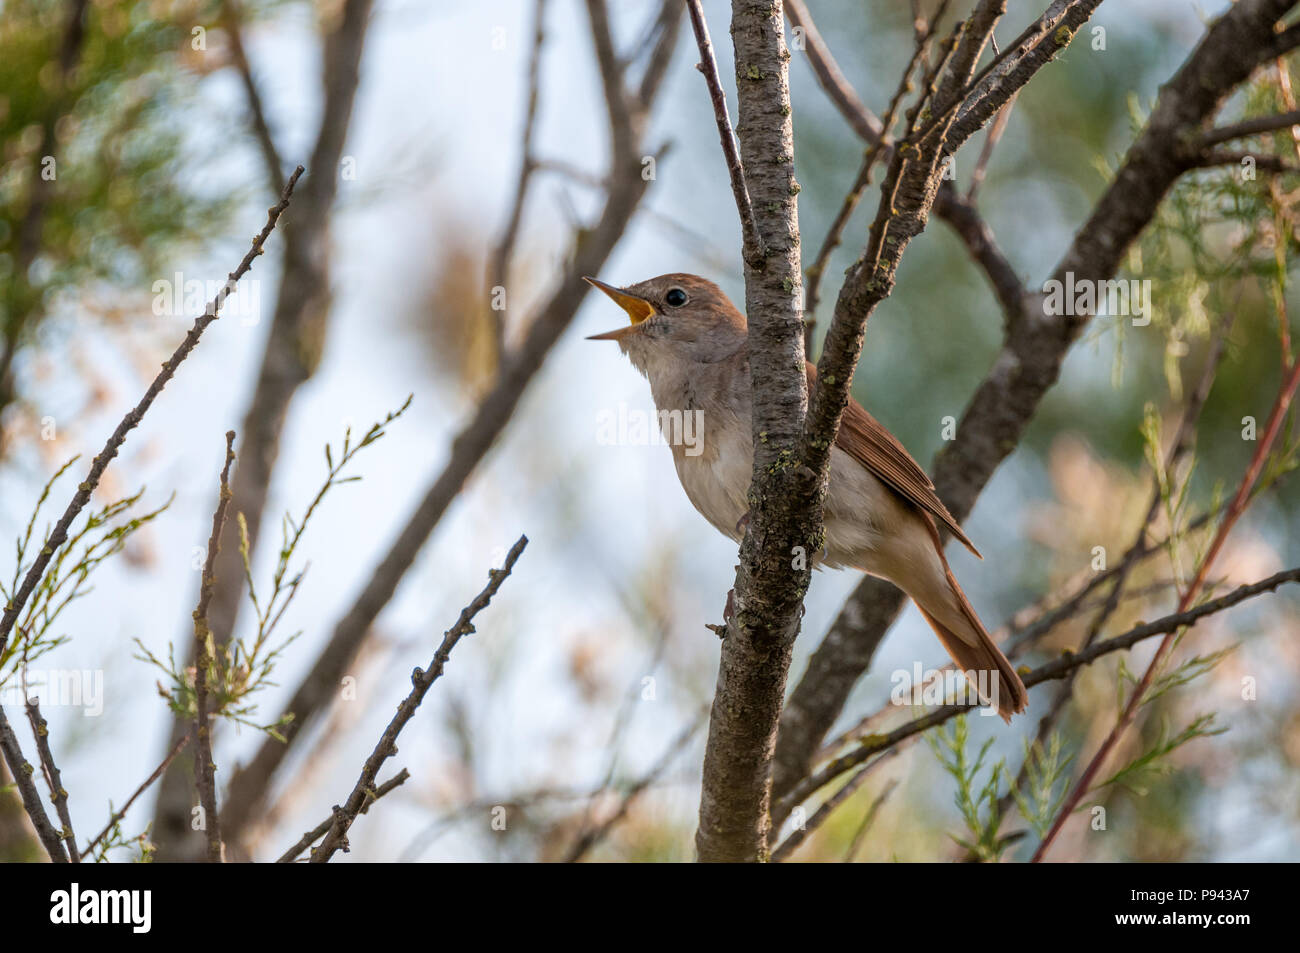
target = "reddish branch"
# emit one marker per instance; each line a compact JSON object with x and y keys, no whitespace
{"x":1057,"y":669}
{"x":1238,"y":506}
{"x":1035,"y":346}
{"x":148,"y":782}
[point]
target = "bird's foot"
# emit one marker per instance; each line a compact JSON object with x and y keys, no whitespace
{"x":728,"y":614}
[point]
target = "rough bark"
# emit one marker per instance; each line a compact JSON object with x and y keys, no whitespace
{"x":784,"y":498}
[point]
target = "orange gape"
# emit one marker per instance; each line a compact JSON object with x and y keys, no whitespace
{"x":691,"y":343}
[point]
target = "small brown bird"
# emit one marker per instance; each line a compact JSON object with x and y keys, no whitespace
{"x":691,"y":343}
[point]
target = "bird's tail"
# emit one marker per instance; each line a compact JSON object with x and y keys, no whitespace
{"x":964,"y":637}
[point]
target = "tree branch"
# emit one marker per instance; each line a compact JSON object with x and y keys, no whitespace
{"x":148,"y":782}
{"x":59,"y":797}
{"x":59,"y":535}
{"x":499,"y":269}
{"x":321,"y":829}
{"x":1032,"y":354}
{"x":752,"y":250}
{"x":1056,"y":669}
{"x":22,"y":775}
{"x":421,"y":682}
{"x":249,"y":784}
{"x":784,"y":504}
{"x":205,"y":661}
{"x":293,"y":349}
{"x":272,"y":164}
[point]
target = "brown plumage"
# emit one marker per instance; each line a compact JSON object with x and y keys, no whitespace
{"x":691,"y":343}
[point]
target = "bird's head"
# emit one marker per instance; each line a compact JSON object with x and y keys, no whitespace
{"x":675,"y":317}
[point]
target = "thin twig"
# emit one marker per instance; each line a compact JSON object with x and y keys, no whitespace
{"x":41,"y":731}
{"x":128,"y":423}
{"x":1238,"y":506}
{"x":593,"y":836}
{"x":271,"y":162}
{"x":321,"y":829}
{"x":708,"y":66}
{"x":421,"y":682}
{"x":998,"y":127}
{"x":798,"y":835}
{"x":1056,"y":669}
{"x":499,"y":272}
{"x":205,"y":660}
{"x":1249,"y":127}
{"x":118,"y":815}
{"x":22,"y":775}
{"x":861,"y":833}
{"x":832,"y":80}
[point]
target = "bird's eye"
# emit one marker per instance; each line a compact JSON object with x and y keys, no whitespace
{"x":676,"y":297}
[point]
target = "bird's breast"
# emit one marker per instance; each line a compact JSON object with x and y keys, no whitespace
{"x":715,"y":472}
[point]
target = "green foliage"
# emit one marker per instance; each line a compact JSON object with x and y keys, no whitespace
{"x":115,"y":839}
{"x":978,"y":804}
{"x":245,"y":665}
{"x":1154,"y":759}
{"x":115,"y":199}
{"x":1186,"y":672}
{"x":1044,"y":768}
{"x":98,"y":536}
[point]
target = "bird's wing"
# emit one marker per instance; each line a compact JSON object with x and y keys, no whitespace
{"x":865,"y":439}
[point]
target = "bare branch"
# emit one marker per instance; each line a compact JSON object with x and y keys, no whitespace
{"x":148,"y":782}
{"x":593,"y":247}
{"x":666,"y":29}
{"x":205,"y":662}
{"x":59,"y":797}
{"x":590,"y":837}
{"x":59,"y":534}
{"x":22,"y":775}
{"x":832,"y":80}
{"x":321,"y":829}
{"x":1056,"y":669}
{"x":708,"y":66}
{"x":421,"y":682}
{"x":1249,"y":127}
{"x":271,"y":161}
{"x":499,"y":270}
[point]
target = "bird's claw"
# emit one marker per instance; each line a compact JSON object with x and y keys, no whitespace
{"x":728,"y":614}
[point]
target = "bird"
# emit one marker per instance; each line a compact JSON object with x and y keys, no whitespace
{"x":881,"y":513}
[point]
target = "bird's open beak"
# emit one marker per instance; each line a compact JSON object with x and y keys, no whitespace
{"x":638,"y":309}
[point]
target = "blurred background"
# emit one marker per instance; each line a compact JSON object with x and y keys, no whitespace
{"x":591,"y":665}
